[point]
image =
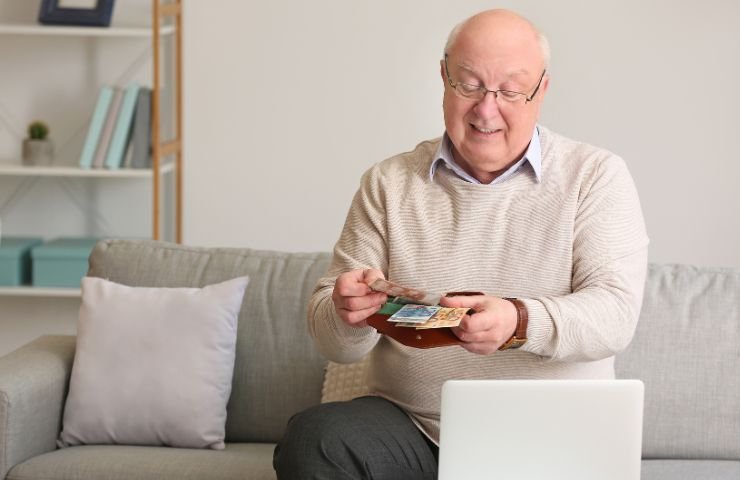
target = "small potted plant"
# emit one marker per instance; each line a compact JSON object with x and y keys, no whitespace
{"x":38,"y":149}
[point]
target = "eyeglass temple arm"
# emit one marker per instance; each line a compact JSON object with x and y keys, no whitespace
{"x":447,"y":72}
{"x":537,"y":89}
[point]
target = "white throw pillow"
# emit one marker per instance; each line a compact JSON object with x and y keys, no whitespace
{"x":153,"y":366}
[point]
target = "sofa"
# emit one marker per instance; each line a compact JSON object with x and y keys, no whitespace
{"x":686,"y":350}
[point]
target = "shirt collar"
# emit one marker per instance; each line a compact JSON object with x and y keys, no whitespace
{"x":443,"y":156}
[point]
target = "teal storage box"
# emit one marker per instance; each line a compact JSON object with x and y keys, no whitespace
{"x":15,"y":260}
{"x":61,"y":262}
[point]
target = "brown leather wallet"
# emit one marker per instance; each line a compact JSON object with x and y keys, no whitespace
{"x":427,"y":338}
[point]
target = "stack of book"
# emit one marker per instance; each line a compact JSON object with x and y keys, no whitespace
{"x":119,"y":135}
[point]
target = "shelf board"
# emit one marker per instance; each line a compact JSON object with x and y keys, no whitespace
{"x":53,"y":30}
{"x":70,"y":171}
{"x":27,"y":291}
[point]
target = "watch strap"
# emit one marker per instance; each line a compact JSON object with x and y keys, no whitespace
{"x":519,"y":337}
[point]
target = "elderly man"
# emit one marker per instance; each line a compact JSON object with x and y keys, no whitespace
{"x":549,"y":228}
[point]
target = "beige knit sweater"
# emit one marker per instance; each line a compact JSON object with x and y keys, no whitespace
{"x":573,"y":247}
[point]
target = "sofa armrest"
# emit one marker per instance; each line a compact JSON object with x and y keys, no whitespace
{"x":33,"y":385}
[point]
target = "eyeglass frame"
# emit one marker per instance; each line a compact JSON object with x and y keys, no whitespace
{"x":486,"y":91}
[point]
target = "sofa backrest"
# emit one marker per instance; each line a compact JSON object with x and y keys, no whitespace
{"x":277,"y":371}
{"x":686,"y":348}
{"x":687,"y":352}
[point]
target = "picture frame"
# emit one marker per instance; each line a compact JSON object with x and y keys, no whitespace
{"x":66,"y":12}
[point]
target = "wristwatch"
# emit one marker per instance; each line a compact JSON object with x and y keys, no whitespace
{"x":522,"y":319}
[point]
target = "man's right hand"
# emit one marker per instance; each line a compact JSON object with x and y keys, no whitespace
{"x":353,"y":299}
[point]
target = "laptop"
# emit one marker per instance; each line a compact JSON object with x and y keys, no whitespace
{"x":541,"y":430}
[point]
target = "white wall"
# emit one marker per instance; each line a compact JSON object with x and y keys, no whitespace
{"x":287,"y":103}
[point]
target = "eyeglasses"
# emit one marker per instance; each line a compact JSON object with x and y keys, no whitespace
{"x":479,"y":92}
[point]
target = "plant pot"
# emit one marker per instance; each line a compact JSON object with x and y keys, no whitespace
{"x":38,"y":152}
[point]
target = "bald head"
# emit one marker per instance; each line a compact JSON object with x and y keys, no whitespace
{"x":503,"y":26}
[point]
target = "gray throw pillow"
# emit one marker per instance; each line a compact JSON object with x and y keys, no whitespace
{"x":153,"y":366}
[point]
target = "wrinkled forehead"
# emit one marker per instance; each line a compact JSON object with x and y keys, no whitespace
{"x":501,"y":70}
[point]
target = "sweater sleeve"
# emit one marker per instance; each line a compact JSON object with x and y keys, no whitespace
{"x":599,"y":317}
{"x":362,"y":244}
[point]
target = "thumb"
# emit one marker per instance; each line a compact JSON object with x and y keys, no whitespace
{"x":369,"y":275}
{"x":462,"y":301}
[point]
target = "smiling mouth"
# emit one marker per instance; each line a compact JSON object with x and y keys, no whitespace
{"x":486,"y":131}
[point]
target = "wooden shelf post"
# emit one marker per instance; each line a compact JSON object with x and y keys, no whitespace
{"x":160,"y":12}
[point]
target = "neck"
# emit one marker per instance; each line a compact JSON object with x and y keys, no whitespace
{"x":484,"y":176}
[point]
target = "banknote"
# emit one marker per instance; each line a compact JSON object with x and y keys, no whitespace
{"x":445,"y":317}
{"x":415,"y":314}
{"x":395,"y":290}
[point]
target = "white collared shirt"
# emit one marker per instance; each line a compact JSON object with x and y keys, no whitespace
{"x":443,"y":156}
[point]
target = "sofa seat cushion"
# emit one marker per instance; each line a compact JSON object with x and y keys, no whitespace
{"x":690,"y":469}
{"x":245,"y":461}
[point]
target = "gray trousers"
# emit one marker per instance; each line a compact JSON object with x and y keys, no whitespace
{"x":366,"y":438}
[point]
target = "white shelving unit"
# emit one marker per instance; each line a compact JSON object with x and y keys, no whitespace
{"x":39,"y":292}
{"x":36,"y":30}
{"x":162,"y":148}
{"x":38,"y":171}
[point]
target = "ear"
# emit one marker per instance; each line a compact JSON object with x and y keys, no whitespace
{"x":442,"y":72}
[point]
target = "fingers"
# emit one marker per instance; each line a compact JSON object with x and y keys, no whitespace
{"x":492,"y":324}
{"x":353,"y":300}
{"x":364,"y":302}
{"x":492,"y":335}
{"x":351,"y":284}
{"x":479,"y":318}
{"x":355,"y":310}
{"x":463,"y":301}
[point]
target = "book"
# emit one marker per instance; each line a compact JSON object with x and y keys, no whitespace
{"x":141,"y":136}
{"x":122,"y":131}
{"x":101,"y":150}
{"x":127,"y":157}
{"x":96,"y":126}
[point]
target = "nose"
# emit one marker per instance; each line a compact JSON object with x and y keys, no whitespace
{"x":487,"y":107}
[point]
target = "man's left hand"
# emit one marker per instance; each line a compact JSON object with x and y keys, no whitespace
{"x":492,"y":324}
